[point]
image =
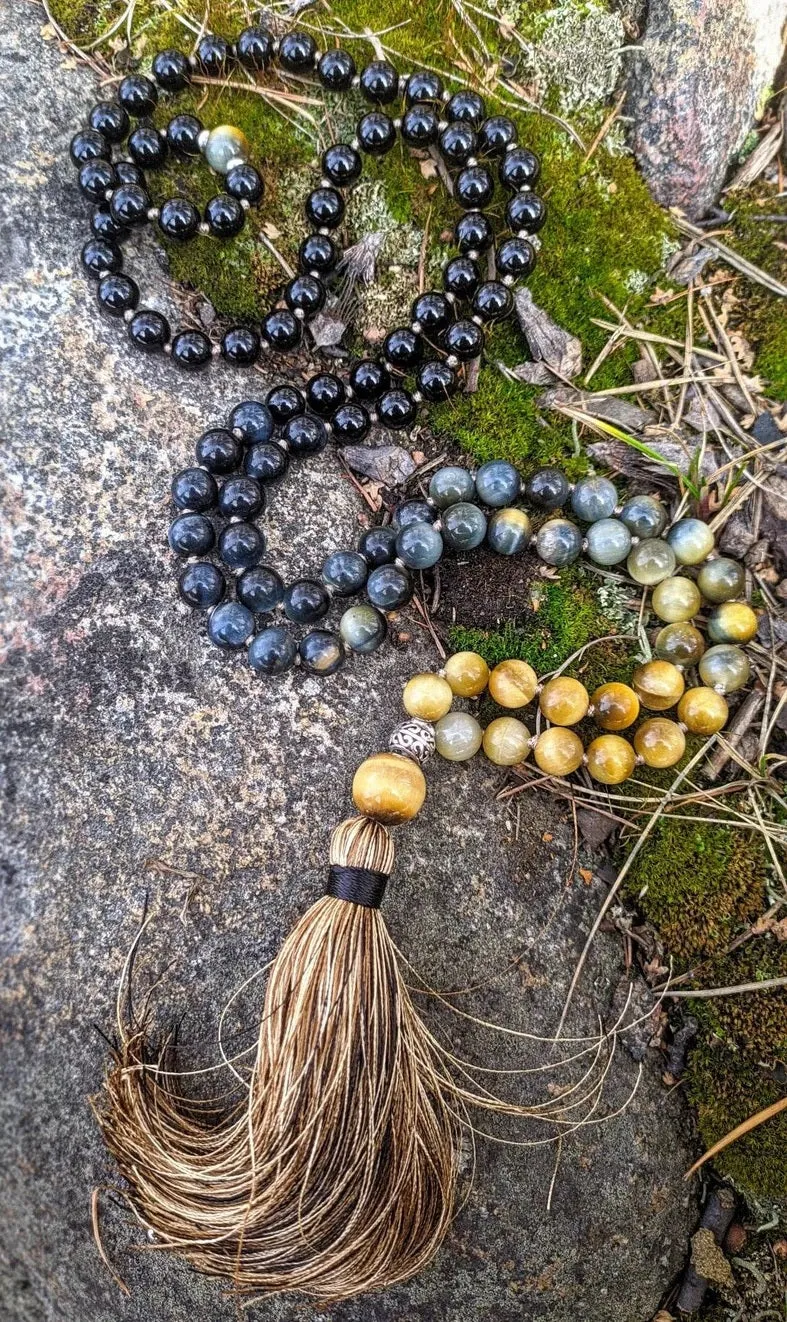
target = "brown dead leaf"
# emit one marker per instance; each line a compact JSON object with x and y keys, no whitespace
{"x":548,"y":343}
{"x":270,"y":230}
{"x":586,"y":875}
{"x":547,"y":837}
{"x":428,"y":168}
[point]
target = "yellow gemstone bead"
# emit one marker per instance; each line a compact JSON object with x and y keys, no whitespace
{"x":558,"y":751}
{"x":427,"y":696}
{"x":467,"y":673}
{"x":659,"y":742}
{"x":676,"y":599}
{"x":615,"y":706}
{"x":224,"y":145}
{"x":389,"y":788}
{"x":506,"y":741}
{"x":658,"y":684}
{"x":611,"y":759}
{"x":564,"y":701}
{"x":513,"y":683}
{"x":732,"y":622}
{"x":703,"y":711}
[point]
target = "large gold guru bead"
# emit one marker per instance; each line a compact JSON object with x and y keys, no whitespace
{"x":389,"y":788}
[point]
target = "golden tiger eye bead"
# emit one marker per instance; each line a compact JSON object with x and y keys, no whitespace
{"x":506,"y":741}
{"x":659,"y":742}
{"x":458,"y":736}
{"x":681,"y":643}
{"x":467,"y":673}
{"x":733,"y":622}
{"x":703,"y":711}
{"x":564,"y":701}
{"x":427,"y":696}
{"x":389,"y":788}
{"x":224,"y":146}
{"x":611,"y":759}
{"x":676,"y":599}
{"x":558,"y":751}
{"x":658,"y":684}
{"x":513,"y":683}
{"x":615,"y":706}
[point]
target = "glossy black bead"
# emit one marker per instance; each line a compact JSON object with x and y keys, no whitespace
{"x":138,"y":95}
{"x":128,"y":206}
{"x":492,"y":301}
{"x":148,"y":330}
{"x":464,"y":339}
{"x":183,"y":133}
{"x":351,"y":423}
{"x":282,"y":330}
{"x":437,"y":381}
{"x":466,"y":106}
{"x":272,"y":651}
{"x":100,"y":257}
{"x":369,"y":378}
{"x":515,"y":257}
{"x":245,"y":183}
{"x":474,"y":187}
{"x":380,"y":82}
{"x":403,"y":348}
{"x":254,"y":48}
{"x":117,"y":294}
{"x":321,"y":652}
{"x":342,"y":164}
{"x":194,"y":489}
{"x":305,"y":294}
{"x":423,"y":86}
{"x":345,"y":572}
{"x":389,"y":587}
{"x":297,"y":52}
{"x":240,"y":345}
{"x":96,"y":178}
{"x":104,"y":227}
{"x":473,"y":232}
{"x":218,"y":451}
{"x":201,"y":585}
{"x":457,"y":143}
{"x":305,"y":434}
{"x":285,"y":402}
{"x":306,"y":601}
{"x":397,"y":409}
{"x":461,"y":277}
{"x":336,"y":70}
{"x":260,"y":589}
{"x":191,"y":534}
{"x":525,"y":212}
{"x":89,"y":145}
{"x":266,"y":462}
{"x":378,"y":546}
{"x":376,"y":133}
{"x":252,"y":422}
{"x":178,"y":218}
{"x":129,"y":173}
{"x":495,"y":134}
{"x":230,"y":626}
{"x":213,"y":54}
{"x":191,"y":349}
{"x":171,"y":70}
{"x":110,"y":120}
{"x":318,"y":252}
{"x":241,"y":498}
{"x":324,"y":208}
{"x":420,"y":126}
{"x":325,"y":393}
{"x":433,"y":312}
{"x":241,"y":545}
{"x":147,"y":147}
{"x":519,"y":168}
{"x":225,"y":216}
{"x":547,"y":488}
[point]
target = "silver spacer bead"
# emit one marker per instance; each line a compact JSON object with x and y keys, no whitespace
{"x":374,"y":416}
{"x":474,"y":254}
{"x":525,"y":188}
{"x":204,"y":227}
{"x":355,"y":142}
{"x":328,"y":428}
{"x":108,"y":194}
{"x":326,"y":183}
{"x":397,"y":123}
{"x":128,"y":315}
{"x":479,"y":321}
{"x":202,"y":139}
{"x":232,"y":162}
{"x":299,"y":313}
{"x":452,"y":360}
{"x":417,"y":396}
{"x":154,"y":213}
{"x":356,"y":80}
{"x":193,"y":62}
{"x":509,"y":281}
{"x":215,"y":351}
{"x":167,"y":348}
{"x":414,"y":739}
{"x":511,"y":146}
{"x":245,"y":203}
{"x":472,"y":160}
{"x":400,"y":564}
{"x":442,"y":125}
{"x":416,"y":326}
{"x":323,"y":230}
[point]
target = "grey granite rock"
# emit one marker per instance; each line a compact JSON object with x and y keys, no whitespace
{"x":139,"y":760}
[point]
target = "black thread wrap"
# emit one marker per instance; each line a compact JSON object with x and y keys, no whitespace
{"x":357,"y":885}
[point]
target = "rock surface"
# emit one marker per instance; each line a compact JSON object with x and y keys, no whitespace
{"x":139,"y":761}
{"x":694,"y":87}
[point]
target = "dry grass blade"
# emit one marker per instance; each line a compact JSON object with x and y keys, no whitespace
{"x":732,"y":257}
{"x":760,"y":159}
{"x":708,"y":993}
{"x":739,"y":1131}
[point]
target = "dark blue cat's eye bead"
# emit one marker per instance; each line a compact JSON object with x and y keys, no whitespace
{"x":272,"y":651}
{"x":321,"y":652}
{"x":497,"y":483}
{"x":318,"y":252}
{"x":282,"y":330}
{"x":137,"y":95}
{"x":492,"y":301}
{"x":148,"y":330}
{"x":345,"y":572}
{"x":473,"y":232}
{"x":420,"y":127}
{"x":305,"y":435}
{"x":178,"y":218}
{"x":378,"y":546}
{"x":261,"y":589}
{"x":194,"y":489}
{"x":464,"y":526}
{"x":306,"y":601}
{"x":96,"y":178}
{"x":336,"y":70}
{"x":369,"y":379}
{"x":547,"y":488}
{"x":171,"y":70}
{"x":423,"y":85}
{"x":191,"y":349}
{"x":183,"y":135}
{"x":389,"y":587}
{"x":420,"y":545}
{"x":525,"y":213}
{"x":342,"y":164}
{"x":241,"y":545}
{"x":191,"y":534}
{"x":218,"y":451}
{"x":412,"y":511}
{"x":325,"y":393}
{"x":201,"y":585}
{"x":594,"y":498}
{"x":363,"y":628}
{"x":241,"y":498}
{"x":251,"y":421}
{"x":254,"y":48}
{"x":213,"y":54}
{"x":436,"y":381}
{"x":104,"y":227}
{"x":129,"y":173}
{"x":240,"y":345}
{"x":100,"y":257}
{"x":285,"y":402}
{"x":495,"y":135}
{"x":474,"y":187}
{"x":266,"y":462}
{"x":466,"y":106}
{"x":117,"y":294}
{"x":230,"y":625}
{"x":244,"y":183}
{"x":110,"y":120}
{"x":147,"y":147}
{"x":515,"y":258}
{"x":298,"y":52}
{"x":376,"y":133}
{"x":379,"y":82}
{"x":457,"y":144}
{"x":519,"y":168}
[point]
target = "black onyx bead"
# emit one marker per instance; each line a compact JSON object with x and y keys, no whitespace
{"x":547,"y":488}
{"x":117,"y":294}
{"x":260,"y":589}
{"x":254,"y":48}
{"x":297,"y":52}
{"x":147,"y":147}
{"x":201,"y":585}
{"x":519,"y":168}
{"x":318,"y":252}
{"x":342,"y":164}
{"x":306,"y":601}
{"x":345,"y":572}
{"x":178,"y":218}
{"x":272,"y":651}
{"x":466,"y":106}
{"x":378,"y":546}
{"x":515,"y":257}
{"x":251,"y":421}
{"x":336,"y":70}
{"x":194,"y":489}
{"x":420,"y":126}
{"x":213,"y":54}
{"x":224,"y":215}
{"x":191,"y":349}
{"x":305,"y":435}
{"x":525,"y":212}
{"x":492,"y":300}
{"x":389,"y":587}
{"x":240,"y":345}
{"x":266,"y":462}
{"x":129,"y":173}
{"x":241,"y":545}
{"x":171,"y":70}
{"x":321,"y":652}
{"x":495,"y":134}
{"x":403,"y":348}
{"x":282,"y":330}
{"x":369,"y":379}
{"x":461,"y":277}
{"x":474,"y":187}
{"x":436,"y":381}
{"x":379,"y":82}
{"x":183,"y":133}
{"x":473,"y":232}
{"x":325,"y":393}
{"x":351,"y":422}
{"x":218,"y":451}
{"x":244,"y":183}
{"x":457,"y":143}
{"x":138,"y":95}
{"x":100,"y":257}
{"x":376,"y":133}
{"x":464,"y":339}
{"x":241,"y":498}
{"x":324,"y":208}
{"x":191,"y":534}
{"x":110,"y":120}
{"x":96,"y":178}
{"x":148,"y":330}
{"x":423,"y":86}
{"x":397,"y":409}
{"x":128,"y":205}
{"x":89,"y":145}
{"x":285,"y":402}
{"x":104,"y":227}
{"x":230,"y":626}
{"x":433,"y":312}
{"x":305,"y":294}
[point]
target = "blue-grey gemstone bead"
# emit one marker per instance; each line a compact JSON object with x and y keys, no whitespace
{"x":497,"y":483}
{"x":594,"y":498}
{"x":559,"y":541}
{"x":306,"y":601}
{"x":241,"y":545}
{"x":412,"y":511}
{"x":261,"y":589}
{"x":388,"y":587}
{"x":691,"y":540}
{"x":363,"y":628}
{"x":464,"y":526}
{"x":450,"y":485}
{"x":230,"y":625}
{"x":272,"y":651}
{"x":321,"y":652}
{"x":345,"y":572}
{"x":191,"y":534}
{"x":253,"y":420}
{"x":609,"y":541}
{"x":194,"y":489}
{"x":509,"y":531}
{"x":419,"y":545}
{"x":201,"y":585}
{"x":644,"y":516}
{"x":547,"y":489}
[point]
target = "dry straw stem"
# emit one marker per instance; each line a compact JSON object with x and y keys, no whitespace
{"x":739,"y":1131}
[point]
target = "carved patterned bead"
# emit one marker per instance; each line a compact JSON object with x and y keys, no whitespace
{"x":413,"y":739}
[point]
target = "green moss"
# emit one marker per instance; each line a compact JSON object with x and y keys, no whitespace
{"x":763,"y":320}
{"x":755,"y":1021}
